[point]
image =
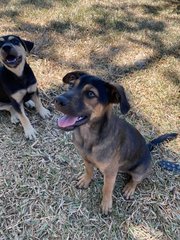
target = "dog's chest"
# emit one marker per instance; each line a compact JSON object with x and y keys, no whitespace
{"x":83,"y":140}
{"x":12,"y":83}
{"x":90,"y":147}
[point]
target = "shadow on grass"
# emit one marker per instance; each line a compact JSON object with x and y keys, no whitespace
{"x":128,"y":21}
{"x":47,"y":3}
{"x":9,"y":13}
{"x":38,"y":3}
{"x":65,"y":26}
{"x":104,"y":23}
{"x":172,"y":76}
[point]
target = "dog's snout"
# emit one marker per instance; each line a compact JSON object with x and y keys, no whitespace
{"x":6,"y":48}
{"x":61,"y":100}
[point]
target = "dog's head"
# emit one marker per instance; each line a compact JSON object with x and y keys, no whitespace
{"x":88,"y":98}
{"x":13,"y":50}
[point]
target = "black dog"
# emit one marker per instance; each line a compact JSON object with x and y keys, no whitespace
{"x":18,"y":84}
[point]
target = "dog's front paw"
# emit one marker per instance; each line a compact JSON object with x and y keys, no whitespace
{"x":14,"y":119}
{"x":106,"y":206}
{"x":44,"y":113}
{"x":84,"y":181}
{"x":30,"y":133}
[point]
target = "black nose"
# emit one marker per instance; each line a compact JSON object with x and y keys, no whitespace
{"x":6,"y":48}
{"x":61,"y":100}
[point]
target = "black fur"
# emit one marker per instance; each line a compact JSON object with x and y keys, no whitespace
{"x":17,"y":82}
{"x":10,"y":83}
{"x":157,"y":141}
{"x":175,"y":167}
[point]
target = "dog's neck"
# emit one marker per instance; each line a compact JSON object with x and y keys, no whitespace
{"x":18,"y":71}
{"x":97,"y":125}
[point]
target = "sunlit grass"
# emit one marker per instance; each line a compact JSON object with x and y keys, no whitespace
{"x":133,"y":43}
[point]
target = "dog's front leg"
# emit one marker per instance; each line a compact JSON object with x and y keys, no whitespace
{"x":85,"y":179}
{"x":30,"y":132}
{"x":44,"y":113}
{"x":109,"y":181}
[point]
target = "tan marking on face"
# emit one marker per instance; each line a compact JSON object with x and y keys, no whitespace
{"x":97,"y":109}
{"x":32,"y":88}
{"x":18,"y":96}
{"x":10,"y":38}
{"x":18,"y":71}
{"x":89,"y":87}
{"x":91,"y":102}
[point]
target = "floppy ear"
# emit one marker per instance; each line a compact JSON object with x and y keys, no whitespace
{"x":27,"y":44}
{"x":117,"y":95}
{"x":73,"y":76}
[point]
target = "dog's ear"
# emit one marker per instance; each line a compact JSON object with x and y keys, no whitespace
{"x":117,"y":95}
{"x":28,"y":45}
{"x":73,"y":76}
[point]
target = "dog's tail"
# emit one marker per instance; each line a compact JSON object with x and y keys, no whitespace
{"x":161,"y":139}
{"x":170,"y":166}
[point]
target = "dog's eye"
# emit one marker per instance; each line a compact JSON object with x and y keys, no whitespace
{"x":90,"y":94}
{"x":15,"y":41}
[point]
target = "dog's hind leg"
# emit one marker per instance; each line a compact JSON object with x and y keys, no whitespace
{"x":14,"y":116}
{"x":5,"y":106}
{"x":130,"y":187}
{"x":8,"y":107}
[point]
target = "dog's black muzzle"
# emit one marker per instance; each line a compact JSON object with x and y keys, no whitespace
{"x":10,"y":56}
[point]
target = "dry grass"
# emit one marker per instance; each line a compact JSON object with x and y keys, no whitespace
{"x":135,"y":43}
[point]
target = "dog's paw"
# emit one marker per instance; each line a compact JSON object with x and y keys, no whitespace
{"x":30,"y":104}
{"x":30,"y":133}
{"x":106,"y":206}
{"x":44,"y":113}
{"x":14,"y":119}
{"x":128,"y":191}
{"x":83,"y":181}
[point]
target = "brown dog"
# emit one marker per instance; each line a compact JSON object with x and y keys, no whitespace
{"x":104,"y":140}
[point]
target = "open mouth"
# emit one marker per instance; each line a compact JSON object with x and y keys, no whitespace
{"x":68,"y":123}
{"x":12,"y":60}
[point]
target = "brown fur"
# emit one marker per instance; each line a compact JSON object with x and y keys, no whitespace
{"x":104,"y":140}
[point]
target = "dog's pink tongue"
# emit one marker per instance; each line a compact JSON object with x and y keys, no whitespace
{"x":66,"y":121}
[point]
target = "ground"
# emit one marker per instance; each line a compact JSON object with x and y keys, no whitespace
{"x":133,"y":43}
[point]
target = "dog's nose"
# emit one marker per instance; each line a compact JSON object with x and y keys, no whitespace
{"x":61,"y":100}
{"x":6,"y":48}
